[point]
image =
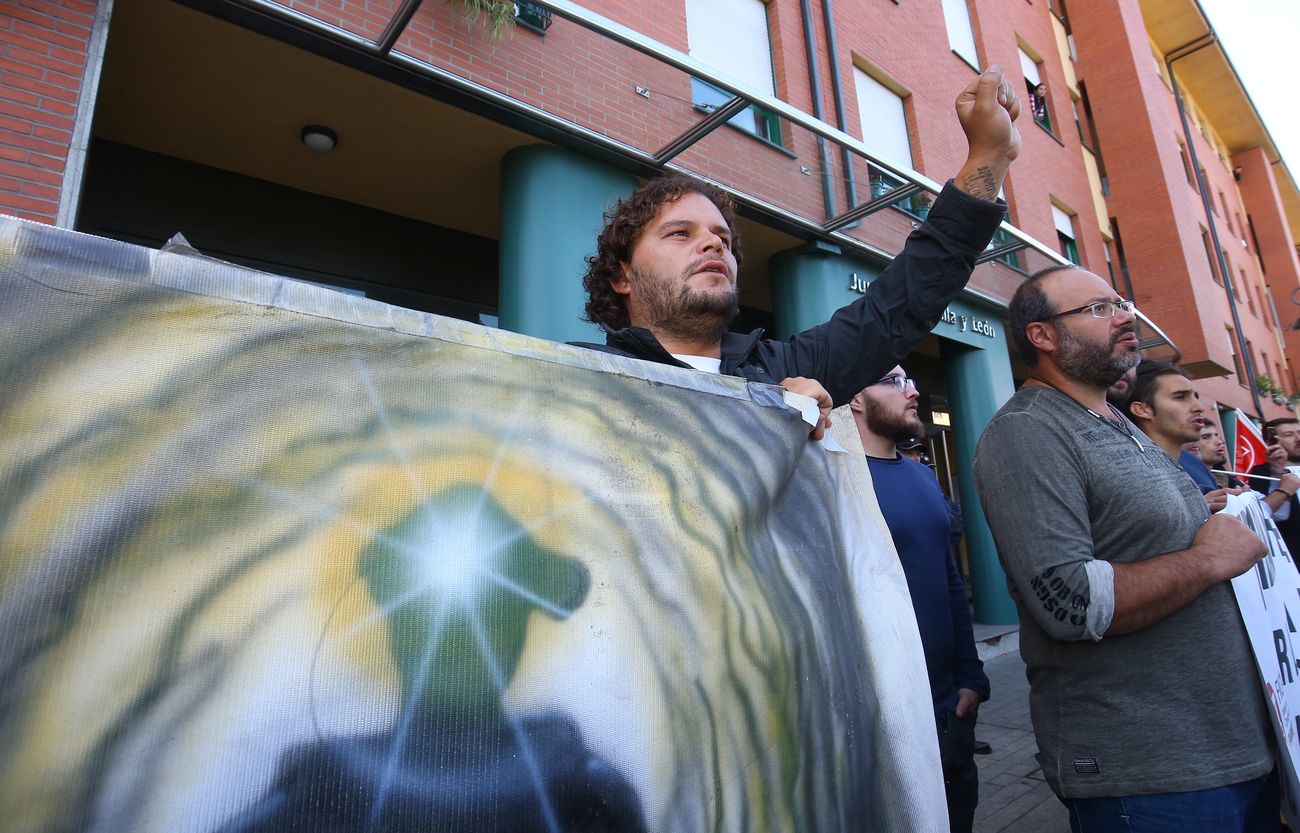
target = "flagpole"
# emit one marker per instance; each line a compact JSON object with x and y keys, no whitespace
{"x":1243,"y":474}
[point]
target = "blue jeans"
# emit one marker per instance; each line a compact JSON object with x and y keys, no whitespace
{"x":1249,"y":807}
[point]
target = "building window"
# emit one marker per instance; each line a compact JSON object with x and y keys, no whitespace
{"x":1250,"y":299}
{"x":883,"y":119}
{"x":1252,"y":244}
{"x":1065,"y":234}
{"x":1187,"y":164}
{"x":760,"y":121}
{"x":1209,"y":257}
{"x":961,"y":35}
{"x":1236,"y":359}
{"x":1227,"y":215}
{"x":1037,"y":90}
{"x":732,"y":37}
{"x":1002,"y":238}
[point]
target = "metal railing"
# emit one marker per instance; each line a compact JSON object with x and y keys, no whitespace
{"x":1009,"y":240}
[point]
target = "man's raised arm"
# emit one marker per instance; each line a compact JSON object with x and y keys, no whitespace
{"x":987,"y":110}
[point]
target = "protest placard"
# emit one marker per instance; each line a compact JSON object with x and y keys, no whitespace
{"x":1269,"y":598}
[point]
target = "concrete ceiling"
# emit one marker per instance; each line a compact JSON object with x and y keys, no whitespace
{"x":184,"y":84}
{"x":181,"y":83}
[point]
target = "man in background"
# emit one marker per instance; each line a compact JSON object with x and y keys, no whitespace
{"x":1144,"y":695}
{"x":1166,"y":406}
{"x":1283,"y":435}
{"x":917,"y":514}
{"x":1214,"y":454}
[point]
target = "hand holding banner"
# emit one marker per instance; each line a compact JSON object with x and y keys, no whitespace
{"x":1269,"y":598}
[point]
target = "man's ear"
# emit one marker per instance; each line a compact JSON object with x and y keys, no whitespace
{"x":622,"y":284}
{"x":1042,"y":335}
{"x":858,"y":404}
{"x":1141,"y":410}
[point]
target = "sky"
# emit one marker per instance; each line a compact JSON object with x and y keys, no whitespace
{"x":1258,"y":35}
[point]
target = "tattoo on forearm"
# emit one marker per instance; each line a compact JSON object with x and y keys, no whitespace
{"x":981,"y":183}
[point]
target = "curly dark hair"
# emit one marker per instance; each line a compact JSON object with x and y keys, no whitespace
{"x":623,"y":226}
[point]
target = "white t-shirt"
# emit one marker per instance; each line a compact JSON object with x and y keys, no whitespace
{"x":704,"y":363}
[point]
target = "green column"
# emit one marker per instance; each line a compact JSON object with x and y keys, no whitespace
{"x":811,"y":282}
{"x":979,"y":382}
{"x":552,"y":202}
{"x":1228,"y":427}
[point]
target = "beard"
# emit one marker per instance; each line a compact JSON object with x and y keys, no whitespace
{"x":676,"y":308}
{"x":897,"y":427}
{"x":1094,"y":365}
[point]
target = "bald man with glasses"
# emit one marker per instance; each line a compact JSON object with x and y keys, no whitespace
{"x":1144,"y":696}
{"x":920,"y":522}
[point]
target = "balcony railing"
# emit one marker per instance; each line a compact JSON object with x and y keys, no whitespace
{"x":383,"y":44}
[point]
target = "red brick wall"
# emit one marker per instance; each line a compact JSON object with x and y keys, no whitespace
{"x":592,"y":81}
{"x":1159,"y":213}
{"x":1262,"y":201}
{"x":1051,"y":164}
{"x":43,"y":46}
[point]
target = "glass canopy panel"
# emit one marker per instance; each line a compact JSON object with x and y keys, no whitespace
{"x":366,"y":20}
{"x":770,"y":159}
{"x":638,"y":104}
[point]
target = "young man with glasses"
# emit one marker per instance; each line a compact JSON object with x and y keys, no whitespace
{"x":1280,"y":495}
{"x":1144,"y":696}
{"x":919,"y":521}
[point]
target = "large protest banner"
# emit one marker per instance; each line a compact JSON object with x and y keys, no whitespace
{"x":1269,"y":598}
{"x":277,"y":558}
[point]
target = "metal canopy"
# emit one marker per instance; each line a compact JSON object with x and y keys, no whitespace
{"x":395,"y":64}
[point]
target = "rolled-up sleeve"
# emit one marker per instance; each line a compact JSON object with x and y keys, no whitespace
{"x":1032,"y":488}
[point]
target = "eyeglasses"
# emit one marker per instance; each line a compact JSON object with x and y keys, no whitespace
{"x":1101,"y":309}
{"x":898,"y":383}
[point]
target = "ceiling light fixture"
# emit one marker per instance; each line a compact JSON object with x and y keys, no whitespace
{"x":319,"y":138}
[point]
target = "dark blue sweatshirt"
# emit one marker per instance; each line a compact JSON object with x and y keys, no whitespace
{"x":919,"y":522}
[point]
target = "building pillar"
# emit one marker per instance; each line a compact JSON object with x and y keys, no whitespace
{"x":979,"y":382}
{"x":811,"y":282}
{"x":552,"y":202}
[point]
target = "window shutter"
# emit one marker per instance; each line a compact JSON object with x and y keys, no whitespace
{"x":731,"y":36}
{"x":1029,"y":67}
{"x":961,"y":35}
{"x":1064,"y":223}
{"x":884,"y":123}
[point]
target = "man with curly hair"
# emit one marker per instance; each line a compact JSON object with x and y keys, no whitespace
{"x":663,"y":280}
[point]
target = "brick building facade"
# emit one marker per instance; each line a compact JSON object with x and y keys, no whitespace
{"x":471,"y":168}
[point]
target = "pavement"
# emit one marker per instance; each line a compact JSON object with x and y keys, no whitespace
{"x":1014,"y":797}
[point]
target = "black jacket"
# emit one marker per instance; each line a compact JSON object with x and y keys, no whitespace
{"x":867,"y":337}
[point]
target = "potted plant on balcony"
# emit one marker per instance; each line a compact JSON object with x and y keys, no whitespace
{"x":880,"y":186}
